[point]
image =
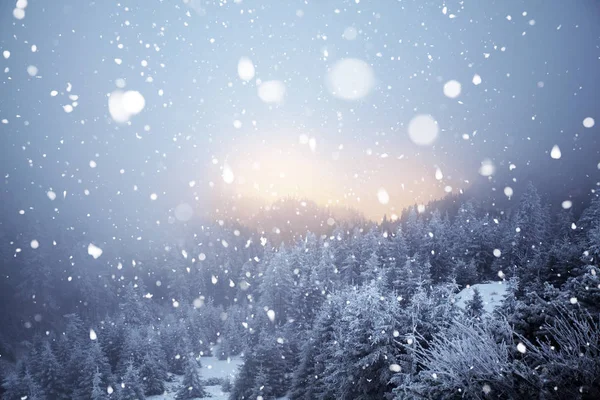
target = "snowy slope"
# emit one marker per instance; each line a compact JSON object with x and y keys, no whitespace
{"x":212,"y":367}
{"x":492,"y":293}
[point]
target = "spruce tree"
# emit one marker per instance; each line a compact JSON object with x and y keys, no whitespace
{"x":33,"y":391}
{"x":98,"y":392}
{"x":270,"y":355}
{"x":233,"y":331}
{"x":14,"y":384}
{"x":134,"y":307}
{"x":93,"y":359}
{"x":262,"y":388}
{"x":175,"y":343}
{"x":364,"y":346}
{"x":350,"y":270}
{"x":528,"y":239}
{"x":244,"y":380}
{"x":414,"y":233}
{"x":465,"y":273}
{"x":153,"y":374}
{"x":371,"y":269}
{"x":474,"y":306}
{"x":437,"y":244}
{"x":590,"y":216}
{"x":191,"y":386}
{"x":50,"y":374}
{"x":131,"y":388}
{"x":464,"y":230}
{"x":277,"y":289}
{"x":308,"y":379}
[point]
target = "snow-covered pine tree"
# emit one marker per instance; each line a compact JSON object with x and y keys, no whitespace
{"x":474,"y":306}
{"x":153,"y":369}
{"x":278,"y":288}
{"x":437,"y":244}
{"x":14,"y":384}
{"x":132,"y":350}
{"x":244,"y":380}
{"x":399,"y":255}
{"x":33,"y":391}
{"x":414,"y":233}
{"x":308,"y":379}
{"x":371,"y":270}
{"x":191,"y":386}
{"x":131,"y":386}
{"x":529,"y":238}
{"x":269,"y":354}
{"x":93,"y":360}
{"x":590,"y":216}
{"x":175,"y":343}
{"x":565,"y":251}
{"x":49,"y":374}
{"x":262,"y":388}
{"x":350,"y":269}
{"x":464,"y":226}
{"x":465,"y":273}
{"x":134,"y":307}
{"x":231,"y":339}
{"x":98,"y":392}
{"x":364,"y":347}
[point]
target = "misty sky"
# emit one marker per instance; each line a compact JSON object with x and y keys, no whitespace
{"x":303,"y":125}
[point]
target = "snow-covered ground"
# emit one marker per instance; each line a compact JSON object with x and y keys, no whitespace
{"x":492,"y":293}
{"x":212,"y":368}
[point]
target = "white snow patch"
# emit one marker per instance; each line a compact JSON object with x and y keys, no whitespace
{"x":492,"y":293}
{"x":211,"y":368}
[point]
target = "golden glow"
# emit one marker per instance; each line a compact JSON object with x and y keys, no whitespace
{"x":319,"y":171}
